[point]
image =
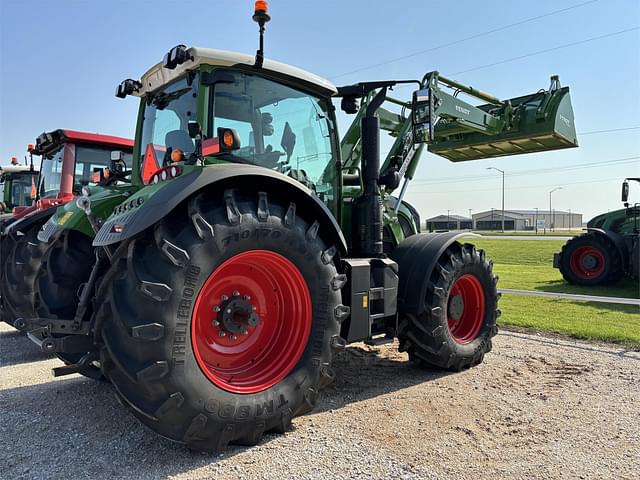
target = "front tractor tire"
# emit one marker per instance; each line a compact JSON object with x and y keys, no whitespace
{"x":219,"y":322}
{"x":590,"y":259}
{"x":456,"y":327}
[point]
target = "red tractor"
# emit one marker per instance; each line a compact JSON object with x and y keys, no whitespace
{"x":70,"y":161}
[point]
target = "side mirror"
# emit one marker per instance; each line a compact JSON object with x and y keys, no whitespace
{"x":117,"y":161}
{"x":288,"y":141}
{"x":194,"y":129}
{"x":127,"y":87}
{"x":625,"y":191}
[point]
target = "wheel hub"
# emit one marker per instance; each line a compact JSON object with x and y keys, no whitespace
{"x":589,"y":262}
{"x":466,"y":308}
{"x":235,"y":314}
{"x":251,"y":321}
{"x":456,"y":307}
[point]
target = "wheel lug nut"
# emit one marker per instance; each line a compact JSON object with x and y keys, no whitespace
{"x":216,"y":309}
{"x":224,"y":298}
{"x":228,"y":310}
{"x":247,"y":298}
{"x":236,"y":293}
{"x":222,"y":334}
{"x":254,"y":308}
{"x":233,"y":337}
{"x":245,"y":332}
{"x":216,"y":323}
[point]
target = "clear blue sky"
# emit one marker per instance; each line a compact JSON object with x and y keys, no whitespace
{"x":61,"y":61}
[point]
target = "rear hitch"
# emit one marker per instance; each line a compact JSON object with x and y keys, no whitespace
{"x":84,"y":366}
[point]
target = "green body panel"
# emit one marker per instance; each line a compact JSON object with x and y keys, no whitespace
{"x":623,"y":221}
{"x":146,"y":193}
{"x":103,"y":201}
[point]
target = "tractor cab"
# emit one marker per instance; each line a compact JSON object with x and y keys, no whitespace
{"x":18,"y":186}
{"x":72,"y":160}
{"x":212,"y":106}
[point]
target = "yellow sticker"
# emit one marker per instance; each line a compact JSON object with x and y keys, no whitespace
{"x":63,"y":219}
{"x":365,"y":301}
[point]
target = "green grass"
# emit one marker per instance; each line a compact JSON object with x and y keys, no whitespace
{"x":528,"y":265}
{"x":585,"y":320}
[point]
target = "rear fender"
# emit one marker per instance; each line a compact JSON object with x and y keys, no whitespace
{"x":416,"y":257}
{"x":158,"y":202}
{"x":618,"y":241}
{"x":71,"y":217}
{"x":25,"y":223}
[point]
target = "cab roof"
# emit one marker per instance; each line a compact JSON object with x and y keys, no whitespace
{"x":158,"y":76}
{"x":48,"y":142}
{"x":17,"y":168}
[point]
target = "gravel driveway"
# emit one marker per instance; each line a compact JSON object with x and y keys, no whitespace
{"x":538,"y":407}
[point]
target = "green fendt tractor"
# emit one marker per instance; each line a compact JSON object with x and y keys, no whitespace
{"x":609,"y":251}
{"x":260,"y":244}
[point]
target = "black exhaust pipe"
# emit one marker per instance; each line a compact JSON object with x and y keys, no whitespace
{"x":369,"y":206}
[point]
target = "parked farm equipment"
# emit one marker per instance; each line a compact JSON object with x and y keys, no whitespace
{"x":253,"y":244}
{"x":70,"y":161}
{"x":608,"y":251}
{"x":17,"y":183}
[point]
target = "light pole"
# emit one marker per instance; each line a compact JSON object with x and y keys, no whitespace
{"x":471,"y":218}
{"x":553,"y":219}
{"x":448,"y":220}
{"x":536,"y":220}
{"x":570,"y":220}
{"x":501,"y":171}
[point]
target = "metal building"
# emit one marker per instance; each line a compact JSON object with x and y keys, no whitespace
{"x":449,"y":222}
{"x":527,"y":220}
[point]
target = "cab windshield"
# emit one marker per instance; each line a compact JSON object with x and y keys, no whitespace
{"x":167,"y":113}
{"x":280,"y":128}
{"x":18,"y":188}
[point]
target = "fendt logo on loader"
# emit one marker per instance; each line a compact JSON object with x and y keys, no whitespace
{"x":460,"y":109}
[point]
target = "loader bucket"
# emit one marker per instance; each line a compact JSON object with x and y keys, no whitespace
{"x":544,"y":121}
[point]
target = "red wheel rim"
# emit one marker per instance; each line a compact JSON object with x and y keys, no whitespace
{"x":587,"y":262}
{"x":465,"y":309}
{"x":258,"y":356}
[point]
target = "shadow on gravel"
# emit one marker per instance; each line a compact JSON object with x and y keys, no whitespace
{"x":76,"y":417}
{"x":361,"y":373}
{"x":16,"y":348}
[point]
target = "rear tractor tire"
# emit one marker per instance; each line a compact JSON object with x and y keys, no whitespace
{"x":455,"y":329}
{"x":21,"y":262}
{"x":590,"y":259}
{"x":66,"y":266}
{"x":219,"y":322}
